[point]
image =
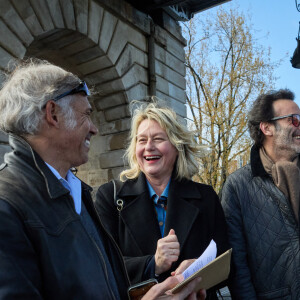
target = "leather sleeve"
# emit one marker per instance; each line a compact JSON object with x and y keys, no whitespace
{"x":240,"y":285}
{"x":20,"y":276}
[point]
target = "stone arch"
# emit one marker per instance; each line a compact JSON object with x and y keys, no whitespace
{"x":86,"y":38}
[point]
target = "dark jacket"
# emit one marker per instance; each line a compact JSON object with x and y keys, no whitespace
{"x":45,"y":252}
{"x":264,"y":235}
{"x":194,"y":212}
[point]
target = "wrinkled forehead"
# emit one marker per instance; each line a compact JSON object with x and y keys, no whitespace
{"x":149,"y":125}
{"x":284,"y":107}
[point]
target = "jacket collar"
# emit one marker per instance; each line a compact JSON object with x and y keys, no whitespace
{"x":25,"y":152}
{"x":257,"y":167}
{"x":139,"y":210}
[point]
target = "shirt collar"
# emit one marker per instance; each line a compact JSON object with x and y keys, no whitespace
{"x":152,"y":193}
{"x":72,"y":183}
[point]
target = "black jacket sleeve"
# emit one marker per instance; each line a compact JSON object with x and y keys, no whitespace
{"x":20,"y":277}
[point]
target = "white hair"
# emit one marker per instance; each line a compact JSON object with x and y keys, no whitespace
{"x":26,"y":91}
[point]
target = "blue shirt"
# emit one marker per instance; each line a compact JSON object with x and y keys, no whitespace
{"x":160,"y":208}
{"x":73,"y":184}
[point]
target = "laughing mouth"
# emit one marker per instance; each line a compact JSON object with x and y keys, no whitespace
{"x":153,"y":157}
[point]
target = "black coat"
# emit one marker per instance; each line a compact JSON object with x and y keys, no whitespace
{"x":45,"y":251}
{"x":194,"y":212}
{"x":264,"y":235}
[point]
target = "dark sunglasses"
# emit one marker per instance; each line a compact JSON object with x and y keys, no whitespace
{"x":82,"y":87}
{"x":295,"y":119}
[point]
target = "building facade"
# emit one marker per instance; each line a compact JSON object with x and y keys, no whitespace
{"x":119,"y":50}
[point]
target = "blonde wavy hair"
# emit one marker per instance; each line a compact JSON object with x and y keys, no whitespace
{"x":180,"y":137}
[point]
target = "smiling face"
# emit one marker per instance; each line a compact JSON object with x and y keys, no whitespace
{"x":286,"y":137}
{"x":75,"y":142}
{"x":155,"y":154}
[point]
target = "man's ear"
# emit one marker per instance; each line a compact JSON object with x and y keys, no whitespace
{"x":267,"y":128}
{"x":51,"y":113}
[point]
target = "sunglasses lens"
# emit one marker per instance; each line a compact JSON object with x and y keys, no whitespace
{"x":85,"y":89}
{"x":296,"y":120}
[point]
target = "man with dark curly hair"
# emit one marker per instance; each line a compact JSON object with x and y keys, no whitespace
{"x":261,"y":204}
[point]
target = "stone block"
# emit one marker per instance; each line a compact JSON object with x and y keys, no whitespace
{"x":106,"y":75}
{"x":134,"y":76}
{"x":10,"y":42}
{"x":94,"y":65}
{"x":94,"y":21}
{"x":3,"y":137}
{"x":66,"y":40}
{"x":115,"y":126}
{"x":108,"y":87}
{"x":3,"y":149}
{"x":112,"y":159}
{"x":170,"y":60}
{"x":114,"y":173}
{"x":28,"y":15}
{"x":116,"y":113}
{"x":5,"y":57}
{"x":98,"y":145}
{"x":170,"y":89}
{"x":97,"y":178}
{"x":171,"y":44}
{"x":13,"y":20}
{"x":139,"y":19}
{"x":56,"y":13}
{"x":170,"y":75}
{"x":108,"y":26}
{"x":78,"y":46}
{"x":125,"y":34}
{"x":42,"y":12}
{"x":93,"y":178}
{"x":137,"y":92}
{"x":81,"y":14}
{"x":172,"y":26}
{"x":118,"y":141}
{"x":109,"y":101}
{"x":177,"y":106}
{"x":68,"y":13}
{"x":131,"y":55}
{"x":87,"y":55}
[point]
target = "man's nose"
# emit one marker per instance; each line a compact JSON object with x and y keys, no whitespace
{"x":93,"y":129}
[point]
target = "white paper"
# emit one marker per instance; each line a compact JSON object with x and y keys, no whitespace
{"x":207,"y":256}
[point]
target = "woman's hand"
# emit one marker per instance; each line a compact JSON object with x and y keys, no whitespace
{"x":184,"y":265}
{"x":168,"y":250}
{"x":162,"y":291}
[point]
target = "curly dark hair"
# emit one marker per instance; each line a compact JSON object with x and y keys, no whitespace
{"x":262,"y":111}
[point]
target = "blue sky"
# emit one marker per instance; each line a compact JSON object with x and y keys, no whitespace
{"x":280,"y":19}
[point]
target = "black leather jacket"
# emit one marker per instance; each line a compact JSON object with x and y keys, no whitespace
{"x":45,"y":252}
{"x":264,"y":235}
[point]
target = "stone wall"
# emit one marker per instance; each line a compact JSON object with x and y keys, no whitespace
{"x":105,"y":42}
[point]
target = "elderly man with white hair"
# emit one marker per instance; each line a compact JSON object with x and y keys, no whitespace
{"x":52,"y":242}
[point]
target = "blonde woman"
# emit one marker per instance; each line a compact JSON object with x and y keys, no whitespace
{"x":160,"y":217}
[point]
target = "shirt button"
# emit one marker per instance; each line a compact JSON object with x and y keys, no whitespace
{"x":161,"y":223}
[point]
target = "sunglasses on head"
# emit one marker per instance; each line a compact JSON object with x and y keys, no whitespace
{"x":82,"y":87}
{"x":295,"y":119}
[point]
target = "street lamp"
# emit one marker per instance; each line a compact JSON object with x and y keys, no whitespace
{"x":295,"y":60}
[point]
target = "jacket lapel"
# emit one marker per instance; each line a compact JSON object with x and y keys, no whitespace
{"x":139,"y":214}
{"x":181,"y":214}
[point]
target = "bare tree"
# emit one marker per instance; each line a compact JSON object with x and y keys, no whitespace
{"x":226,"y":70}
